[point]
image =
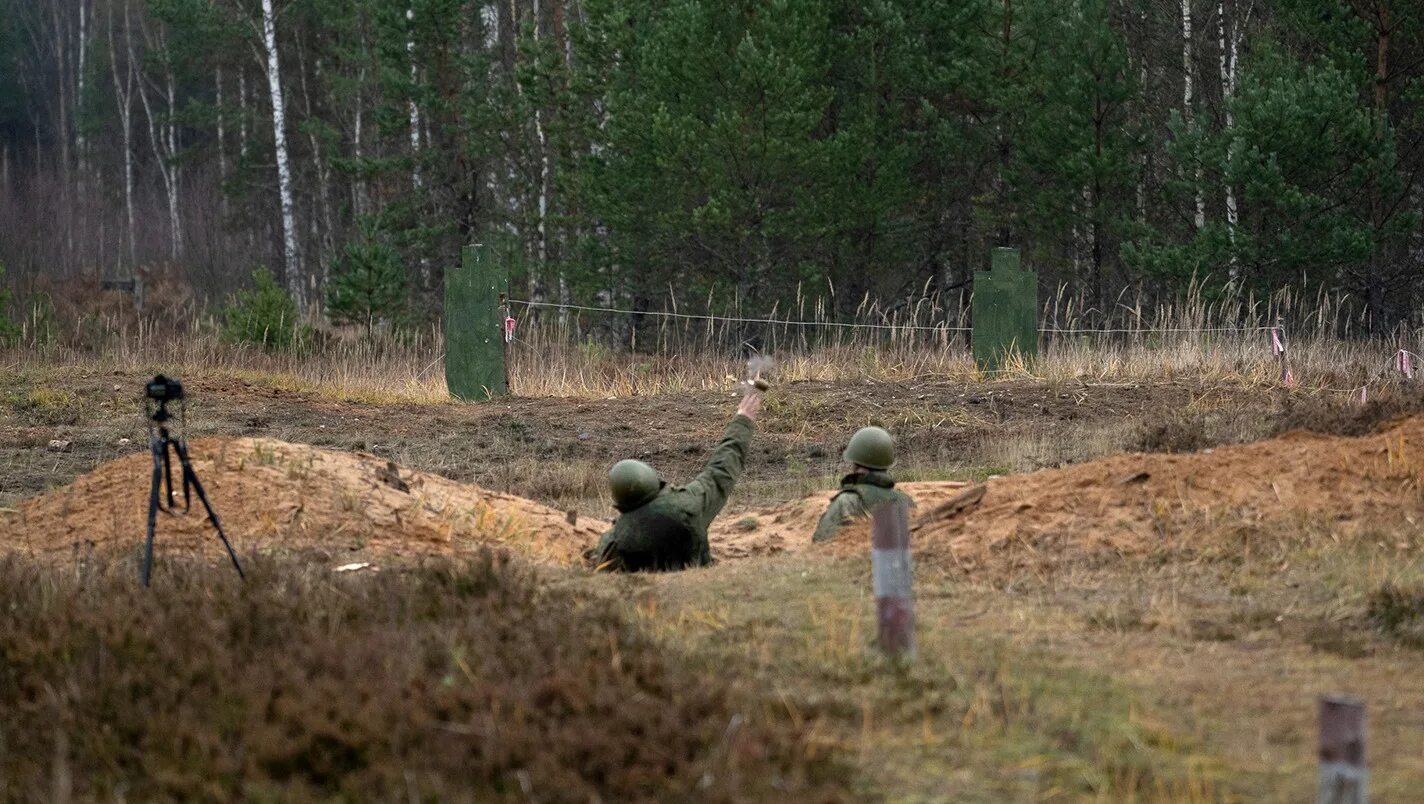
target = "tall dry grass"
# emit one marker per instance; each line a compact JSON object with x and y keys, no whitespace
{"x":598,"y":353}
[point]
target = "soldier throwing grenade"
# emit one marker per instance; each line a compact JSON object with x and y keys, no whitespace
{"x":664,"y":527}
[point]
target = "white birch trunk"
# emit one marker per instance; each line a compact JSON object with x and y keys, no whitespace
{"x":1229,"y":46}
{"x":414,"y":107}
{"x":1228,"y":51}
{"x":358,"y":187}
{"x":242,"y":113}
{"x":222,"y":138}
{"x":81,"y":149}
{"x":415,"y":128}
{"x":291,"y":258}
{"x":543,"y":202}
{"x":1143,"y":175}
{"x":512,"y":188}
{"x":175,"y":168}
{"x":1200,"y":218}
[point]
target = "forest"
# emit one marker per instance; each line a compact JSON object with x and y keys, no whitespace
{"x":622,"y":153}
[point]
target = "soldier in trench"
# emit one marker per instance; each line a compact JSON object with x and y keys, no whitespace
{"x":870,"y":453}
{"x":663,"y":527}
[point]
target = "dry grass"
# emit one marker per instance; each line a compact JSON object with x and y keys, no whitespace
{"x":1150,"y":680}
{"x":599,"y":355}
{"x":448,"y":682}
{"x":979,"y":716}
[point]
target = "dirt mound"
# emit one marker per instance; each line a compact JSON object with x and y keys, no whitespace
{"x":1232,"y":499}
{"x":273,"y":494}
{"x":788,"y":527}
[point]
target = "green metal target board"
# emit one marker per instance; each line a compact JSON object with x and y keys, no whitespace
{"x":474,"y":326}
{"x":1005,"y":312}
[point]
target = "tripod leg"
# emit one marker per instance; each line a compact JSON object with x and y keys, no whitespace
{"x":168,"y":470}
{"x":159,"y":449}
{"x":190,"y":477}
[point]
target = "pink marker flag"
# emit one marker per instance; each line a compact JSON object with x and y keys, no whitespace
{"x":1404,"y":363}
{"x":508,"y":329}
{"x":1277,"y":347}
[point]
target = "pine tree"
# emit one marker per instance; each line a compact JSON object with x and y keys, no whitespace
{"x":368,"y":284}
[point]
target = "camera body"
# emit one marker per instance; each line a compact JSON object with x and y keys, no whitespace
{"x":164,"y":389}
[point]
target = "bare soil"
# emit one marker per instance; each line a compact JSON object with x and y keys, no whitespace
{"x":556,"y":450}
{"x":1221,"y":500}
{"x":275,"y":495}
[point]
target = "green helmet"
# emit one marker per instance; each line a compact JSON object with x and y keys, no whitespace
{"x":872,"y":448}
{"x":633,"y":483}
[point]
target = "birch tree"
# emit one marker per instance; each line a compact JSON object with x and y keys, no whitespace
{"x":414,"y":109}
{"x":1229,"y":49}
{"x":1188,"y":72}
{"x":291,"y":257}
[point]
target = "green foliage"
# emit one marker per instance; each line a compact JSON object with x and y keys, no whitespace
{"x":747,"y":152}
{"x":264,"y":315}
{"x":1309,"y":164}
{"x":368,"y":283}
{"x":751,"y":148}
{"x":9,"y":330}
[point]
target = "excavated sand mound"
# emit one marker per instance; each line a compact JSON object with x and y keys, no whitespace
{"x":271,"y":494}
{"x":789,"y":527}
{"x":1230,"y":500}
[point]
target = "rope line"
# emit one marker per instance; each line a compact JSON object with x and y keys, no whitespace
{"x":734,"y":319}
{"x":1149,"y":331}
{"x":900,"y":327}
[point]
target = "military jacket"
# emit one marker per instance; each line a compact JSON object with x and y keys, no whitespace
{"x":859,"y":495}
{"x":670,"y":531}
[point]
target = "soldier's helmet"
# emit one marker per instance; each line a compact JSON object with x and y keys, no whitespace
{"x":872,"y":448}
{"x":633,"y":483}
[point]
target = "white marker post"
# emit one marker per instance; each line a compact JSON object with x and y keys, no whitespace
{"x":893,"y":581}
{"x":1344,"y":779}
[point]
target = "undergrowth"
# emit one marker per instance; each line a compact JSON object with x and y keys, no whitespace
{"x":443,"y":682}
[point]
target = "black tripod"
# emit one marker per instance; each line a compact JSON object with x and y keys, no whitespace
{"x":163,"y":390}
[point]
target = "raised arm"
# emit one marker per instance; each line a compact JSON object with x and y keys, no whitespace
{"x":717,"y":479}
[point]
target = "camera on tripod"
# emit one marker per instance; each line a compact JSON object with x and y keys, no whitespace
{"x":164,"y":444}
{"x":164,"y":389}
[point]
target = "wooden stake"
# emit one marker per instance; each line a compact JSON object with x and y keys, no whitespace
{"x":1343,"y":777}
{"x":893,"y":579}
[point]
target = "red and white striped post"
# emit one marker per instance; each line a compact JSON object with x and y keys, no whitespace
{"x":893,"y":579}
{"x":1343,"y":778}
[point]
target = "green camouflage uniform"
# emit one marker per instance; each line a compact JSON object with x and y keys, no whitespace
{"x":859,"y":495}
{"x":670,"y":531}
